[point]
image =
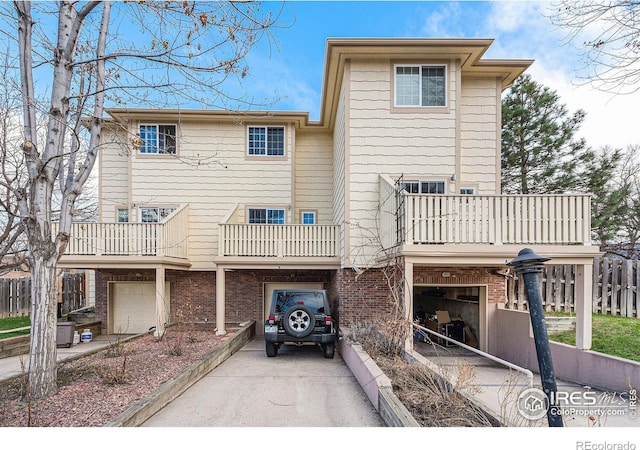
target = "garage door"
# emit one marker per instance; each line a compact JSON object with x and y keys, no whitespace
{"x":133,"y":306}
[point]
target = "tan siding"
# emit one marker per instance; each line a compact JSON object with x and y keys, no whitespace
{"x":314,"y":175}
{"x":339,"y":160}
{"x":479,"y":127}
{"x":212,"y":175}
{"x":114,"y":178}
{"x":382,"y":142}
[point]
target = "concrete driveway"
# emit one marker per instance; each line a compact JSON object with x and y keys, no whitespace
{"x":298,"y":388}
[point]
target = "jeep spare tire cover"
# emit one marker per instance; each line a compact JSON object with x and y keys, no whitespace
{"x":299,"y":321}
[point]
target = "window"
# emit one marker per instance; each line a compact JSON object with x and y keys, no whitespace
{"x":266,"y":215}
{"x":154,"y":214}
{"x":467,"y":191}
{"x":266,"y":141}
{"x":158,"y":139}
{"x":424,"y":187}
{"x":123,"y":215}
{"x":308,"y":217}
{"x":421,"y":86}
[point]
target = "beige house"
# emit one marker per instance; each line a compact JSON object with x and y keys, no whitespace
{"x":204,"y":213}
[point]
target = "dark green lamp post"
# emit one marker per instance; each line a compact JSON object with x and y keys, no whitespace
{"x":529,"y":265}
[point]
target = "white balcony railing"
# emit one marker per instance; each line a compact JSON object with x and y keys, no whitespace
{"x":483,"y":219}
{"x":239,"y":239}
{"x":167,"y":238}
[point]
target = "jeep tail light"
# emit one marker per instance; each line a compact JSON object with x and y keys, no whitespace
{"x":327,"y":320}
{"x":272,"y":319}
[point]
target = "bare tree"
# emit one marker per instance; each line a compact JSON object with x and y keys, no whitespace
{"x":175,"y":49}
{"x":609,"y":34}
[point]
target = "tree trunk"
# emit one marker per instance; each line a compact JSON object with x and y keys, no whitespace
{"x":42,"y":357}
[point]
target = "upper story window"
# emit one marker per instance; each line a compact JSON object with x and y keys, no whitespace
{"x":421,"y":85}
{"x":123,"y":215}
{"x":308,"y":217}
{"x":155,"y":214}
{"x":266,"y":141}
{"x":266,"y":215}
{"x":158,"y":139}
{"x":467,"y":191}
{"x":424,"y":187}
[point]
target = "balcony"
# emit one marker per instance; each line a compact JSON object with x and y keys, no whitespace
{"x":94,"y":244}
{"x":280,"y":241}
{"x":416,"y":219}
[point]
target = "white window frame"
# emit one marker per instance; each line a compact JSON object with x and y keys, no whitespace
{"x":118,"y":217}
{"x":162,"y":213}
{"x":470,"y":190}
{"x":265,"y":150}
{"x":266,"y":215}
{"x":420,"y":186}
{"x":305,"y":212}
{"x":160,"y":148}
{"x":420,"y":95}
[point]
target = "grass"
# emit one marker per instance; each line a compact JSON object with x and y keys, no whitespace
{"x":14,"y":322}
{"x":613,"y":335}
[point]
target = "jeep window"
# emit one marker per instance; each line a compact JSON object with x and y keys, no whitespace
{"x":287,"y":299}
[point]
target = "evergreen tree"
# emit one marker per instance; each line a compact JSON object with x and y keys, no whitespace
{"x":539,"y":152}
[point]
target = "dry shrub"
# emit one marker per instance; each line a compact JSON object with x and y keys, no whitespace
{"x":114,"y":373}
{"x":432,"y":401}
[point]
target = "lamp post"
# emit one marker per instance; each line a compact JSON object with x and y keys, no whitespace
{"x":529,"y":265}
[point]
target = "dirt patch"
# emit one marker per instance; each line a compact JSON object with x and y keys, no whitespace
{"x":95,"y":389}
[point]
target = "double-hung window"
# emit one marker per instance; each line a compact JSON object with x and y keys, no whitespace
{"x":158,"y":139}
{"x":420,"y":85}
{"x":266,"y":215}
{"x":424,"y":187}
{"x":154,"y":214}
{"x":265,"y":141}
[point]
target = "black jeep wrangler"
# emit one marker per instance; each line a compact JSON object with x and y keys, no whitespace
{"x":299,"y":316}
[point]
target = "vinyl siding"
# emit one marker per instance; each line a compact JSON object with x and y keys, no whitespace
{"x":419,"y":145}
{"x":479,"y":131}
{"x":212,"y":175}
{"x":114,"y":183}
{"x":314,"y":175}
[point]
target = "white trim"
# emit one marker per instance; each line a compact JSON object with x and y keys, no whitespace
{"x":157,"y":147}
{"x":266,"y":155}
{"x":420,"y":67}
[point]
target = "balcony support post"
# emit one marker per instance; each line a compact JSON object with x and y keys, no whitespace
{"x":220,"y":301}
{"x":161,"y":306}
{"x":584,"y":275}
{"x":408,"y":300}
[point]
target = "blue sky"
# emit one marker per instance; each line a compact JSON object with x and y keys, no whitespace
{"x":292,"y":69}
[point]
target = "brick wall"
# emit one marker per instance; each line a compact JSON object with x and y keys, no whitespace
{"x":193,"y":294}
{"x":361,"y":299}
{"x":245,"y":289}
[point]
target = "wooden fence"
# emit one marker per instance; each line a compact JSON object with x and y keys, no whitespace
{"x":15,"y":294}
{"x":615,"y":288}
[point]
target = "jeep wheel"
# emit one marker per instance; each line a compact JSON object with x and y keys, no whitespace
{"x":272,"y":349}
{"x":299,"y":321}
{"x":328,"y":349}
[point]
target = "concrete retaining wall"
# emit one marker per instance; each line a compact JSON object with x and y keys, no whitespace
{"x":516,"y":344}
{"x":376,"y":386}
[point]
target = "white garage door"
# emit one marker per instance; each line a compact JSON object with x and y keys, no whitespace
{"x":133,"y":306}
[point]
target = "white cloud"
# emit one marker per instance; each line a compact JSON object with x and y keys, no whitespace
{"x":524,"y":30}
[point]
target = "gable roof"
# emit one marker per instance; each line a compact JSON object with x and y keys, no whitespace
{"x":340,"y":50}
